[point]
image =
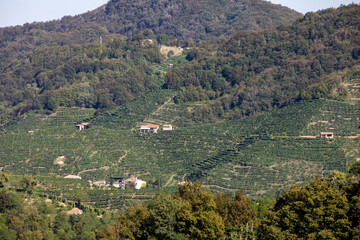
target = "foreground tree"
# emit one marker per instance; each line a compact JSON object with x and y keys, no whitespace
{"x":315,"y":211}
{"x":3,"y":179}
{"x":162,"y":222}
{"x":128,"y":226}
{"x":238,"y":214}
{"x":27,"y":184}
{"x":197,"y":218}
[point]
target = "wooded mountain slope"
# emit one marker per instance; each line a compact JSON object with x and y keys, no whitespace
{"x":192,"y":19}
{"x":261,"y":70}
{"x":79,"y":75}
{"x":185,"y":19}
{"x":40,"y":62}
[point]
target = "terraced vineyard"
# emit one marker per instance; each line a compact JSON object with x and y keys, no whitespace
{"x":131,"y":114}
{"x":260,"y":154}
{"x":64,"y":117}
{"x":342,"y":118}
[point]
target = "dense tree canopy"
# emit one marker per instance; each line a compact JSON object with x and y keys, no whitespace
{"x":316,"y":211}
{"x":258,"y":71}
{"x":190,"y":213}
{"x":79,"y":75}
{"x":28,"y":216}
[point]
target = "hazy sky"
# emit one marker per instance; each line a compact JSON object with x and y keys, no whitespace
{"x":305,"y":6}
{"x":18,"y":12}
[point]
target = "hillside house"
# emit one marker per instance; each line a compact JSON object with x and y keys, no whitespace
{"x":118,"y":182}
{"x":329,"y":135}
{"x":154,"y":128}
{"x":149,"y":128}
{"x":137,"y":183}
{"x":100,"y":183}
{"x":144,"y":129}
{"x":167,"y":128}
{"x":82,"y":126}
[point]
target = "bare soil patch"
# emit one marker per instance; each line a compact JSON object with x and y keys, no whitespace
{"x":308,"y":136}
{"x":75,"y":211}
{"x":176,"y":50}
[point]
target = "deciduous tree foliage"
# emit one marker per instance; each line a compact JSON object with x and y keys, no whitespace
{"x":79,"y":75}
{"x":3,"y":179}
{"x":27,"y":184}
{"x":197,"y":217}
{"x":315,"y":211}
{"x":190,"y":213}
{"x":162,"y":222}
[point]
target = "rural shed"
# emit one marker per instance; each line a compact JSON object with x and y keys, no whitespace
{"x":326,"y":135}
{"x":167,"y":128}
{"x":82,"y":126}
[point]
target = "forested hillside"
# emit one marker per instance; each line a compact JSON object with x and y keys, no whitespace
{"x":72,"y":62}
{"x":88,"y":75}
{"x":191,"y":19}
{"x":262,"y":70}
{"x":186,"y":20}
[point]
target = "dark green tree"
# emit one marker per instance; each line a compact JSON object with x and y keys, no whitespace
{"x":315,"y":211}
{"x":3,"y":179}
{"x":128,"y":226}
{"x":8,"y":201}
{"x":197,"y":218}
{"x":162,"y":221}
{"x":163,"y":39}
{"x":27,"y":184}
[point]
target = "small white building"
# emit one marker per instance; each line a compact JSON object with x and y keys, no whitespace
{"x":144,"y":129}
{"x":140,"y":184}
{"x":100,"y":183}
{"x":82,"y":126}
{"x":149,"y":128}
{"x":118,"y":182}
{"x":329,"y":135}
{"x":167,"y":128}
